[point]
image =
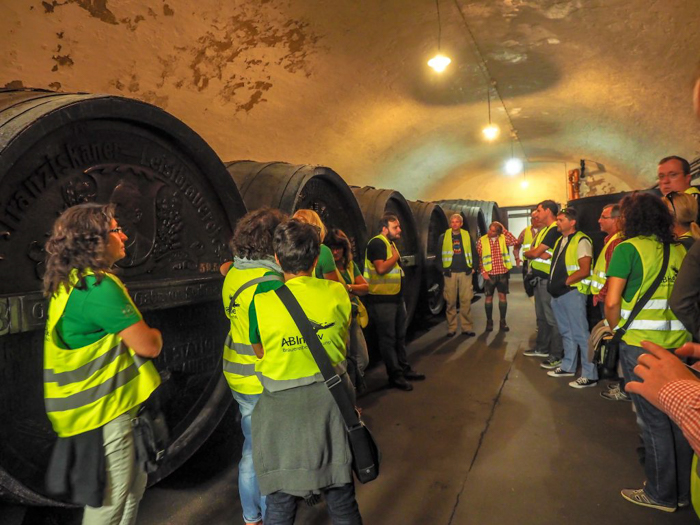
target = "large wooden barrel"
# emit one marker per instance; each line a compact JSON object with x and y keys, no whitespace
{"x":376,"y":202}
{"x":292,"y":187}
{"x":490,"y":209}
{"x":432,"y":223}
{"x":178,"y":206}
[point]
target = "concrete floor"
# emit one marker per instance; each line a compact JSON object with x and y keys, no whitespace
{"x":487,"y":439}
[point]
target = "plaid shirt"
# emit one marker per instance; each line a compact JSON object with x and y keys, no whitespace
{"x":497,"y":266}
{"x":681,"y":401}
{"x":600,"y":297}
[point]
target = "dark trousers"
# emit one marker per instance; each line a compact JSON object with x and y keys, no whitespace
{"x":341,"y":502}
{"x":389,"y":321}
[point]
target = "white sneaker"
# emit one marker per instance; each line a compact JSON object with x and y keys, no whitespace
{"x":582,"y":382}
{"x":559,"y":372}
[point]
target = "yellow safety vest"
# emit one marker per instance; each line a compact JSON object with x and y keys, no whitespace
{"x":571,"y":260}
{"x":692,"y":191}
{"x":448,"y":250}
{"x":599,"y":277}
{"x":541,"y":264}
{"x":655,"y":322}
{"x":287,"y":361}
{"x":486,"y":261}
{"x":390,"y":282}
{"x":239,"y":356}
{"x":86,"y":388}
{"x":695,"y":486}
{"x":527,"y":239}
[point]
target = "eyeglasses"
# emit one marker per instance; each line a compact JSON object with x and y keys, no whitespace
{"x":118,"y":229}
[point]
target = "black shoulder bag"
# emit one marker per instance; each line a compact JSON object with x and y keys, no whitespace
{"x":612,"y":346}
{"x":365,"y":452}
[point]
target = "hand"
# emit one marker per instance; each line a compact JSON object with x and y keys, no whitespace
{"x":486,"y":277}
{"x":517,"y":261}
{"x":394,"y":251}
{"x":657,"y":369}
{"x":689,"y":350}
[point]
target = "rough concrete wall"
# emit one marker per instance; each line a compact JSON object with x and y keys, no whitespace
{"x":345,"y":83}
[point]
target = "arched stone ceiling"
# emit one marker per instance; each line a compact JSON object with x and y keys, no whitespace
{"x":345,"y":83}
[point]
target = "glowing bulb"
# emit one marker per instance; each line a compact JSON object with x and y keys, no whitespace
{"x":439,"y":63}
{"x":524,"y":184}
{"x":491,"y":132}
{"x":514,"y":166}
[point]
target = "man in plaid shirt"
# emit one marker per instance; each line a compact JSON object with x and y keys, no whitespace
{"x":495,"y":264}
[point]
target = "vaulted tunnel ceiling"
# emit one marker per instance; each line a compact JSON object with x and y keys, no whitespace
{"x":345,"y":83}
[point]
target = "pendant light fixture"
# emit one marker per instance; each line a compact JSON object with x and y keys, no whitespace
{"x":492,"y":130}
{"x":439,"y":62}
{"x":514,"y":165}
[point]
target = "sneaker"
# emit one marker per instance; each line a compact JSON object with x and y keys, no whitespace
{"x":559,"y":372}
{"x":535,"y":353}
{"x":614,"y":386}
{"x":639,"y":497}
{"x":450,"y":334}
{"x":615,"y":394}
{"x":551,"y":363}
{"x":583,"y":382}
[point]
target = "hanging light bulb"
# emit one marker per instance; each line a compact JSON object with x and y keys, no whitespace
{"x":491,"y":131}
{"x":524,"y":184}
{"x":514,"y":166}
{"x":439,"y":62}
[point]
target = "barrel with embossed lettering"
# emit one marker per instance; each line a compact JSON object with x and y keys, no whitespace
{"x":375,"y":203}
{"x":291,"y":187}
{"x":177,"y":205}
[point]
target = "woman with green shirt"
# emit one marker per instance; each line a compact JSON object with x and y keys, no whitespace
{"x":647,"y":227}
{"x":95,"y":374}
{"x":325,"y":266}
{"x":357,"y":286}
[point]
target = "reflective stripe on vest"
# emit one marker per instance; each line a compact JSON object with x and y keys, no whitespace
{"x":287,"y":362}
{"x":599,"y":276}
{"x":571,"y":260}
{"x":388,"y":283}
{"x":239,"y":357}
{"x":448,"y":248}
{"x":540,"y":264}
{"x":655,"y":322}
{"x":486,"y":260}
{"x":86,"y":388}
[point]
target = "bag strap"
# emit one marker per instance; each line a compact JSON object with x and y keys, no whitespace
{"x":253,"y":282}
{"x":647,"y":295}
{"x":333,"y":381}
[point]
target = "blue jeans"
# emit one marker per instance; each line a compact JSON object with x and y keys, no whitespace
{"x":570,"y":313}
{"x":252,"y":502}
{"x":668,"y":454}
{"x":341,"y":502}
{"x":548,"y":336}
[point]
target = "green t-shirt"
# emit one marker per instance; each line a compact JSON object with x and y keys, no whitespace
{"x":96,"y":311}
{"x":326,"y":263}
{"x":627,"y":264}
{"x":267,"y":286}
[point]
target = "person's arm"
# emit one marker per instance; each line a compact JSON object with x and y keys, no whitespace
{"x":517,"y":246}
{"x":510,"y":238}
{"x":613,"y":301}
{"x":685,"y":297}
{"x":331,"y":276}
{"x":584,"y":271}
{"x":384,"y":267}
{"x":538,"y":253}
{"x":224,"y":268}
{"x":142,"y":339}
{"x":359,"y":287}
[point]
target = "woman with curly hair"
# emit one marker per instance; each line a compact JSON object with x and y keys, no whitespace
{"x":684,"y":208}
{"x":253,"y":271}
{"x":95,"y":374}
{"x":647,"y":226}
{"x":325,"y":267}
{"x":356,"y":286}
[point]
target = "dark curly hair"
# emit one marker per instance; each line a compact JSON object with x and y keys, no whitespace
{"x":336,"y":238}
{"x":252,"y":238}
{"x":78,"y":241}
{"x":646,"y":214}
